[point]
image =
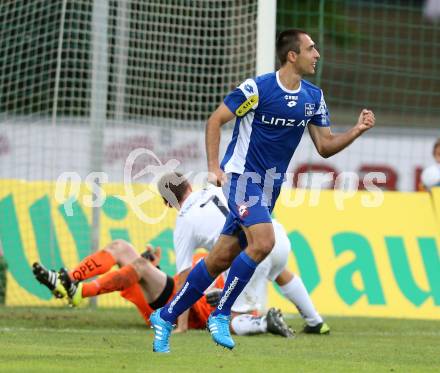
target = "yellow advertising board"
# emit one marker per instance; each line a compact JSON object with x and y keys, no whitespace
{"x":365,"y":261}
{"x":28,"y":211}
{"x":355,"y":260}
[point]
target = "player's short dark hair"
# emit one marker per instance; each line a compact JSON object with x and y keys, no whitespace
{"x":436,"y":144}
{"x":172,"y":187}
{"x":288,"y":40}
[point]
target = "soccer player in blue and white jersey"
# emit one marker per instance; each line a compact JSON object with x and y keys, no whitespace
{"x":272,"y":112}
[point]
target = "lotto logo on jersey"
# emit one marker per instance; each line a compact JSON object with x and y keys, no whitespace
{"x":243,"y":211}
{"x":246,"y":106}
{"x":292,"y":100}
{"x":249,"y":88}
{"x":309,"y":110}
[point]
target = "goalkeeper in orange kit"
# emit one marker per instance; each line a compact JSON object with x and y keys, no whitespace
{"x":140,"y":281}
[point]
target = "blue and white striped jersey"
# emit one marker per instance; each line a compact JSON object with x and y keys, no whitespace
{"x":269,"y":125}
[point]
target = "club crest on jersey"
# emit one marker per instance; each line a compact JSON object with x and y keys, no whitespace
{"x":309,"y":110}
{"x":243,"y":211}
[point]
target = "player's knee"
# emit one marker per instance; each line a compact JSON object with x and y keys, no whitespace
{"x":221,"y":256}
{"x":265,"y":245}
{"x":216,"y":264}
{"x":119,"y":248}
{"x":141,"y":266}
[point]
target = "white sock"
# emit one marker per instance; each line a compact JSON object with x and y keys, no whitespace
{"x":296,"y":292}
{"x":247,"y":324}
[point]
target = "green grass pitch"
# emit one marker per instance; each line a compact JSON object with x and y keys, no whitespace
{"x":115,"y":340}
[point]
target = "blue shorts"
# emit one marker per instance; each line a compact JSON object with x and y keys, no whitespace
{"x":249,"y":203}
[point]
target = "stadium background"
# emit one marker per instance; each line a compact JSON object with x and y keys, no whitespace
{"x":82,"y":84}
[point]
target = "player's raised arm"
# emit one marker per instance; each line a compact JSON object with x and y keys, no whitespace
{"x":328,"y":143}
{"x":212,"y":140}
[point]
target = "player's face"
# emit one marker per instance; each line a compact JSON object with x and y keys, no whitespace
{"x":308,"y":57}
{"x":437,"y":154}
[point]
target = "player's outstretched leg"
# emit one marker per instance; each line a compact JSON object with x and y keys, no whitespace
{"x":50,"y":279}
{"x":218,"y":326}
{"x":321,"y":328}
{"x":162,"y":331}
{"x":277,"y":325}
{"x":74,"y":290}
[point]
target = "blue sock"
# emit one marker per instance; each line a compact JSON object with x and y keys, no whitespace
{"x":241,"y":271}
{"x":197,"y":282}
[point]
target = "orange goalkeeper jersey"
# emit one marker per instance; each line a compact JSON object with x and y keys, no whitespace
{"x":199,"y":312}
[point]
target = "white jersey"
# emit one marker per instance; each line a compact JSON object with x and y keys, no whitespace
{"x":198,"y":224}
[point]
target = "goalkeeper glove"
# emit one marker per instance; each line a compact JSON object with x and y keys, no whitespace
{"x":213,"y":297}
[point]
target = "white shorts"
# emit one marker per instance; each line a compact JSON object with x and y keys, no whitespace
{"x":254,"y":295}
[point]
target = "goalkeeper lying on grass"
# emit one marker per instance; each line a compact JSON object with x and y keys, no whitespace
{"x":140,"y":281}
